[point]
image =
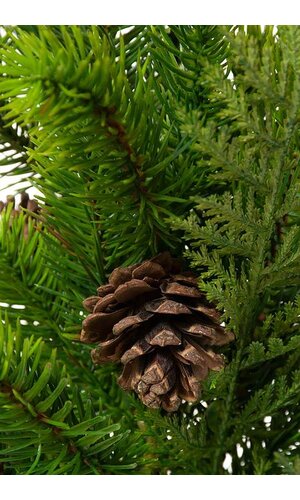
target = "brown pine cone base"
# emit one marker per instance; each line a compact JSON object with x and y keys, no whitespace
{"x":155,"y":321}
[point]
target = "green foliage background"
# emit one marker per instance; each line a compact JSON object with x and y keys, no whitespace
{"x":141,"y":139}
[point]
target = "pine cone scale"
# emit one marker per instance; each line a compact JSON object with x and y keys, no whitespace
{"x":105,"y":290}
{"x":112,"y":350}
{"x":90,"y":303}
{"x":107,"y":302}
{"x":177,"y":289}
{"x":119,"y":276}
{"x":131,"y":322}
{"x":162,"y":335}
{"x":171,"y":401}
{"x":206,"y":311}
{"x":130,"y":290}
{"x":102,"y":323}
{"x":166,"y":306}
{"x":151,"y":400}
{"x":131,"y":374}
{"x":166,"y":383}
{"x":150,"y":270}
{"x":140,"y":348}
{"x":157,"y":368}
{"x":189,"y":388}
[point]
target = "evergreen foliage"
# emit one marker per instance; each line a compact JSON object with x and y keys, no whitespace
{"x":142,"y":139}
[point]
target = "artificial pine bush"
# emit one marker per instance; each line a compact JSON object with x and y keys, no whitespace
{"x":146,"y":142}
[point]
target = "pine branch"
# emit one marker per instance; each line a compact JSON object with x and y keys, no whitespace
{"x":29,"y":280}
{"x":179,"y":53}
{"x":240,"y":223}
{"x":93,"y":117}
{"x":46,"y":425}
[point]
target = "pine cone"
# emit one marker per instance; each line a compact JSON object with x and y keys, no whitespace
{"x":154,"y":319}
{"x":25,"y":203}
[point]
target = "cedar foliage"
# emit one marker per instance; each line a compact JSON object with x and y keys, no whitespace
{"x":142,"y":139}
